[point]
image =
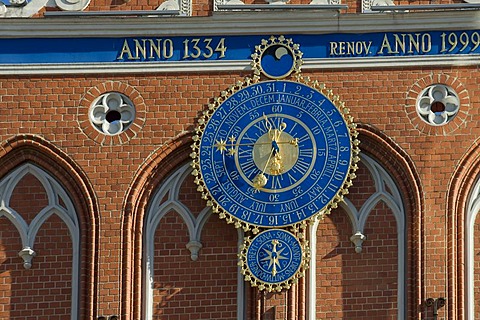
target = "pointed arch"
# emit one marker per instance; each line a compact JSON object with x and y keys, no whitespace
{"x":463,"y":206}
{"x":28,"y":232}
{"x":472,"y":212}
{"x":386,"y":191}
{"x":166,"y":200}
{"x":61,"y":177}
{"x":397,"y":172}
{"x":153,"y":194}
{"x":147,"y":178}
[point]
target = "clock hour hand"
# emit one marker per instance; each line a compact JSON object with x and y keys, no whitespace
{"x":260,"y":179}
{"x":276,"y":163}
{"x":275,"y":147}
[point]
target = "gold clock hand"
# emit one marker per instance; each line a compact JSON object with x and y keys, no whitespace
{"x":274,"y":257}
{"x":268,"y":125}
{"x":260,"y":179}
{"x":221,"y":145}
{"x":278,"y":132}
{"x":276,"y":164}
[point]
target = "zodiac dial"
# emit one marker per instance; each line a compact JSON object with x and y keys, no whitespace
{"x":274,"y":259}
{"x":273,"y":154}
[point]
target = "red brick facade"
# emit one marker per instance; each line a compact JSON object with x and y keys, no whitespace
{"x":412,"y":195}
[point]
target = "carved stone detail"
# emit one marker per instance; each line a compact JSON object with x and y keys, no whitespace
{"x":367,"y":4}
{"x":72,"y":5}
{"x":185,"y":6}
{"x":275,"y":2}
{"x":324,"y":2}
{"x":194,"y":247}
{"x":22,"y":9}
{"x":169,"y":5}
{"x":112,"y":113}
{"x":438,"y":104}
{"x":27,"y":255}
{"x":357,"y":240}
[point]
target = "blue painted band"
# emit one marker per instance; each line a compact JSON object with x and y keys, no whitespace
{"x":233,"y":48}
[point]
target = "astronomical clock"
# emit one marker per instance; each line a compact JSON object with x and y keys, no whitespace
{"x":271,"y":154}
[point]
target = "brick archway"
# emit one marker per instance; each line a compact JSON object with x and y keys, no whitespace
{"x":154,"y":169}
{"x":397,"y":162}
{"x":459,"y":193}
{"x":36,"y":150}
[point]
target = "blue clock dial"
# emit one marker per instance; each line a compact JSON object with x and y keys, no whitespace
{"x":274,"y":256}
{"x":275,"y":153}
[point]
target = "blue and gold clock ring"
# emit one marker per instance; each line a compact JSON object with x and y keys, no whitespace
{"x":275,"y":153}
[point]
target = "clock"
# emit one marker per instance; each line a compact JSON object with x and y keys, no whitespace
{"x":274,"y":153}
{"x":274,"y":259}
{"x":277,"y":58}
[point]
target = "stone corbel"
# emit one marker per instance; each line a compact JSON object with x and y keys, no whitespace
{"x":357,"y":240}
{"x":24,"y":9}
{"x":194,"y":247}
{"x":27,"y":255}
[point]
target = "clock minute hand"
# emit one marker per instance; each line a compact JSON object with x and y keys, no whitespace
{"x":222,"y":146}
{"x":260,"y":179}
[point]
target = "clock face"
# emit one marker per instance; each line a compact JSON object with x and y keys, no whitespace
{"x":274,"y":256}
{"x":274,"y":153}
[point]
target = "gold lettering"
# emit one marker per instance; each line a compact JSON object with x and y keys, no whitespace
{"x":351,"y":48}
{"x":333,"y":49}
{"x":426,"y":43}
{"x":414,"y":43}
{"x":140,"y":48}
{"x":125,"y":49}
{"x":399,"y":42}
{"x":342,"y":48}
{"x":367,"y":47}
{"x":155,"y":48}
{"x":167,"y":48}
{"x":406,"y":43}
{"x":385,"y":45}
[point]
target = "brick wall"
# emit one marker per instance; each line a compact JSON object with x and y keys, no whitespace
{"x":52,"y":110}
{"x":205,"y":288}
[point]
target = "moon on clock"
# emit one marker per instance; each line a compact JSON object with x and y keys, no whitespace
{"x":277,"y":61}
{"x":280,"y":52}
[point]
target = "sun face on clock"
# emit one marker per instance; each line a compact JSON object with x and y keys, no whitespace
{"x":273,"y":154}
